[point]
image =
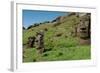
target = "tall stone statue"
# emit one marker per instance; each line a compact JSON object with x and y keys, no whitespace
{"x":39,"y":41}
{"x":84,"y":29}
{"x":31,"y":41}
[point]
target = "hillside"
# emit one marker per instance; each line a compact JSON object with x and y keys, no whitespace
{"x":59,"y":40}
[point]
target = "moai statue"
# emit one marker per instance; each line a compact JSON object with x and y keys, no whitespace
{"x":84,"y":30}
{"x":31,"y":41}
{"x":39,"y":42}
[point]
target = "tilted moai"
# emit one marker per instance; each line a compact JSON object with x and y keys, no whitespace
{"x":39,"y":42}
{"x":31,"y":41}
{"x":83,"y":29}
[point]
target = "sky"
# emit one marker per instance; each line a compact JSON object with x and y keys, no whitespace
{"x":33,"y":16}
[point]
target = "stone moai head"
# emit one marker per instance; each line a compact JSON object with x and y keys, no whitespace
{"x":31,"y":41}
{"x":84,"y":27}
{"x":39,"y":41}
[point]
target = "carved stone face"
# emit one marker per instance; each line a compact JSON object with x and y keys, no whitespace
{"x":83,"y":29}
{"x":31,"y":41}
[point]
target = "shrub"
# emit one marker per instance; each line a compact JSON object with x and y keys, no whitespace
{"x":45,"y":54}
{"x":34,"y":60}
{"x":30,"y":27}
{"x":24,"y":28}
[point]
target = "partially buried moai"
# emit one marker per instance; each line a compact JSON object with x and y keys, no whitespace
{"x":31,"y":41}
{"x":39,"y":42}
{"x":83,"y":29}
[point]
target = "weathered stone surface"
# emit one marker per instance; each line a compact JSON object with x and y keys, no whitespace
{"x":31,"y":41}
{"x":84,"y":42}
{"x":39,"y":41}
{"x":83,"y":29}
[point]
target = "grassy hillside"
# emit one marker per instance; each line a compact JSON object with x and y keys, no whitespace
{"x":58,"y":40}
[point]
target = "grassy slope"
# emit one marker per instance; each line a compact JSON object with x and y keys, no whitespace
{"x":64,"y":47}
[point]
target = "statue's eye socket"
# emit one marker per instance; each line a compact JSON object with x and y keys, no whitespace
{"x":83,"y":28}
{"x":81,"y":19}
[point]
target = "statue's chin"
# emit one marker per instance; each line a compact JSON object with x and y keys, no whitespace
{"x":84,"y":37}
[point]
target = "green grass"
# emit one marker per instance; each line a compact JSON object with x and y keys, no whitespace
{"x":58,"y":54}
{"x":59,"y":49}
